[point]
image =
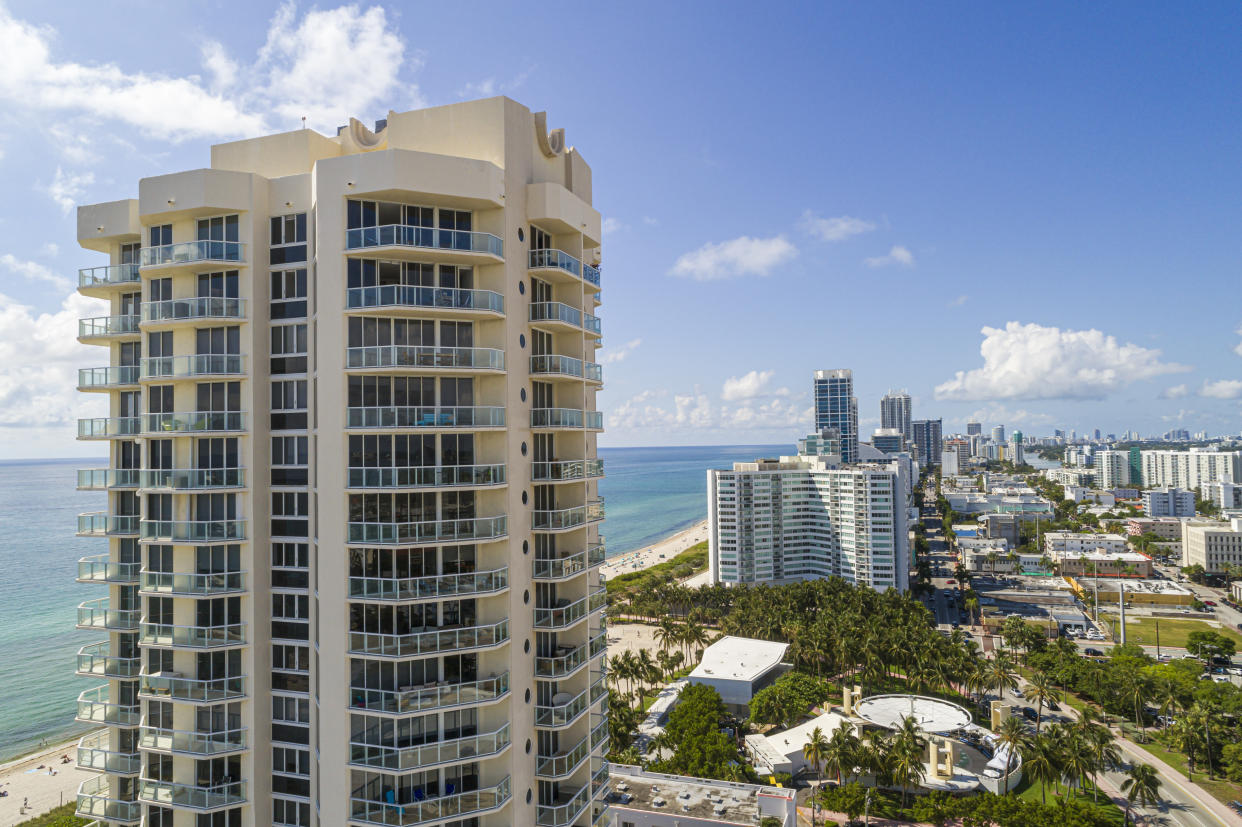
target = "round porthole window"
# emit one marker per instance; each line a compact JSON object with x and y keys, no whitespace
{"x":528,"y":746}
{"x":526,"y":596}
{"x":526,"y":547}
{"x":522,"y":288}
{"x":521,"y":235}
{"x":522,"y":339}
{"x":526,"y":650}
{"x":523,"y":449}
{"x":523,"y":498}
{"x":523,"y":394}
{"x":528,"y":796}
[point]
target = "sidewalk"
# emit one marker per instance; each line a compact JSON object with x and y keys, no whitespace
{"x":1205,"y":799}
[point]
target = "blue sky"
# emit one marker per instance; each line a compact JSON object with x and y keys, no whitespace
{"x":1027,"y":214}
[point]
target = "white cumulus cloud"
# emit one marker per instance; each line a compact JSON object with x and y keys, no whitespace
{"x":34,"y":271}
{"x":1032,"y":361}
{"x":1175,"y":392}
{"x":897,"y":255}
{"x":67,"y":187}
{"x":1222,"y":389}
{"x":746,"y":386}
{"x":620,"y":353}
{"x":1238,"y":348}
{"x":744,"y":256}
{"x":834,"y":229}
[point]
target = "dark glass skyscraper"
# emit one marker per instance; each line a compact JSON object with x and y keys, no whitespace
{"x":836,"y":407}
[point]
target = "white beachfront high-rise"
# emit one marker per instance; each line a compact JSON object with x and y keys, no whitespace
{"x":353,"y":515}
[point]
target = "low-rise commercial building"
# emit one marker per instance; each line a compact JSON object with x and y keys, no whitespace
{"x":1169,"y":502}
{"x":1057,"y":543}
{"x":1082,"y":494}
{"x":1166,"y":528}
{"x":640,"y":798}
{"x":1148,"y":593}
{"x":1005,"y":527}
{"x":1105,"y":564}
{"x":1227,"y":496}
{"x":1212,"y":545}
{"x":1084,"y":477}
{"x":738,"y":667}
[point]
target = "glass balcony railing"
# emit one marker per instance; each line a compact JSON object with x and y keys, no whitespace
{"x":591,"y":274}
{"x":193,"y":531}
{"x":190,"y":252}
{"x":192,"y":584}
{"x":562,"y":617}
{"x":109,"y":427}
{"x":102,"y":326}
{"x":192,"y":743}
{"x":570,"y":418}
{"x":194,"y":637}
{"x":108,"y":276}
{"x":566,"y":518}
{"x":569,"y":565}
{"x":427,"y":476}
{"x":426,"y":588}
{"x":103,"y":524}
{"x":564,"y":714}
{"x":110,"y":377}
{"x":100,"y":797}
{"x":428,"y":641}
{"x":396,"y":416}
{"x":398,"y":813}
{"x":404,"y":759}
{"x":195,"y":422}
{"x":555,"y":260}
{"x":475,"y":528}
{"x":95,"y":753}
{"x":411,"y":356}
{"x":566,"y":470}
{"x":556,"y":312}
{"x":198,"y":307}
{"x":97,"y":659}
{"x":592,"y":324}
{"x":180,"y":479}
{"x":208,"y":364}
{"x":570,"y":804}
{"x":95,"y":707}
{"x":556,"y":365}
{"x":427,"y":238}
{"x":563,"y":763}
{"x":569,"y":659}
{"x":175,"y":687}
{"x":406,"y":295}
{"x":168,"y":794}
{"x":100,"y":569}
{"x":423,"y":698}
{"x":97,"y":614}
{"x":100,"y":479}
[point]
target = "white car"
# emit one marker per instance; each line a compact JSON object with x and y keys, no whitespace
{"x":1094,"y":635}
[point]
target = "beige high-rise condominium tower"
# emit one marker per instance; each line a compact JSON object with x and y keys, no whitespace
{"x":353,"y":515}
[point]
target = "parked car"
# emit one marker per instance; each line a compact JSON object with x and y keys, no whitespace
{"x":1029,"y":714}
{"x":1093,"y":653}
{"x":1053,"y":706}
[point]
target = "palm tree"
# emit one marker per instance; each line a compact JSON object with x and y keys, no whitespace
{"x":971,"y":605}
{"x":842,"y":751}
{"x":992,"y":557}
{"x":666,"y":633}
{"x":1104,"y":754}
{"x":1001,"y":674}
{"x":815,"y":750}
{"x":1012,"y":734}
{"x":1041,"y":762}
{"x":695,"y":636}
{"x":1142,"y":785}
{"x":906,"y":755}
{"x":1044,"y":694}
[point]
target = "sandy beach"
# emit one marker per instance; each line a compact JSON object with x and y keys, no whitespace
{"x":22,"y":779}
{"x":666,"y":549}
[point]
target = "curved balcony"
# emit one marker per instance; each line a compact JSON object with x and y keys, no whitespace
{"x":567,"y":762}
{"x":194,"y":422}
{"x":572,"y":419}
{"x":112,"y":275}
{"x":103,"y":479}
{"x":402,"y":813}
{"x":567,"y":470}
{"x":192,"y":479}
{"x":429,"y":531}
{"x":193,"y":637}
{"x":191,"y":584}
{"x":99,"y":797}
{"x":193,"y":252}
{"x":554,"y":260}
{"x":192,"y":366}
{"x":565,"y":519}
{"x":556,"y":716}
{"x":103,"y":524}
{"x":569,"y":659}
{"x":198,"y":308}
{"x":413,"y":357}
{"x":194,"y":531}
{"x":556,"y":366}
{"x":192,"y":743}
{"x":428,"y":476}
{"x":409,"y":759}
{"x":425,"y":698}
{"x":99,"y":568}
{"x":572,"y":804}
{"x":429,"y":588}
{"x":96,"y":660}
{"x":560,"y":316}
{"x":97,"y":614}
{"x":571,"y":565}
{"x":109,"y":378}
{"x":572,"y":613}
{"x":95,"y":707}
{"x":94,"y":753}
{"x":107,"y":328}
{"x":171,"y":686}
{"x":109,"y":427}
{"x":413,"y":417}
{"x":456,"y":302}
{"x":462,"y":245}
{"x":168,"y":794}
{"x":429,"y":642}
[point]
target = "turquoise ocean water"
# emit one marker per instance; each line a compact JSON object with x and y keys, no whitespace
{"x":650,"y":493}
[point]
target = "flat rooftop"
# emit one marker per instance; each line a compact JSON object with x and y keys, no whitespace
{"x":678,"y":795}
{"x":791,"y":741}
{"x":1106,"y":556}
{"x":739,"y":659}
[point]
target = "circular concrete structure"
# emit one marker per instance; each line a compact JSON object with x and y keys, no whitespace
{"x":931,"y":715}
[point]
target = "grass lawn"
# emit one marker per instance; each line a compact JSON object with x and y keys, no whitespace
{"x":1221,"y":789}
{"x":60,"y":817}
{"x":1035,"y":792}
{"x":687,"y":564}
{"x":1173,"y":632}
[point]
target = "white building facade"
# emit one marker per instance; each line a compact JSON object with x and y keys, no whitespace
{"x":1195,"y":470}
